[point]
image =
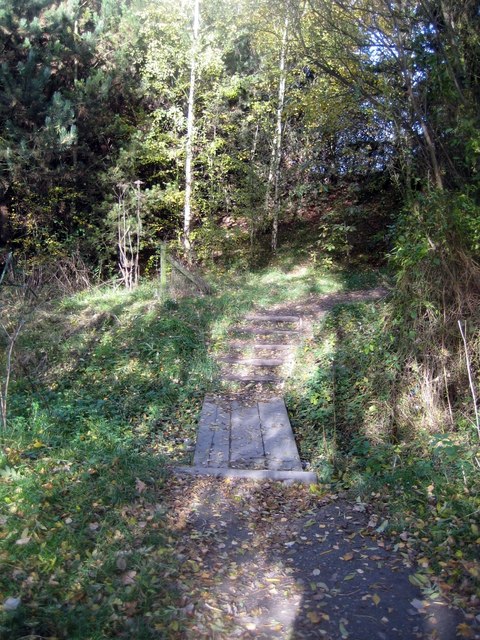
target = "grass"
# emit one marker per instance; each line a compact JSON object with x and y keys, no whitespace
{"x":106,"y":391}
{"x":424,"y":481}
{"x":107,"y":386}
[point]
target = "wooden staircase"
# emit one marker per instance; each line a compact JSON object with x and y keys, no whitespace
{"x":251,"y":437}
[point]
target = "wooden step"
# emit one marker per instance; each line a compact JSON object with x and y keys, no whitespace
{"x":232,"y":377}
{"x":306,"y":477}
{"x":265,"y":318}
{"x":242,"y":344}
{"x":265,"y":331}
{"x":254,"y":362}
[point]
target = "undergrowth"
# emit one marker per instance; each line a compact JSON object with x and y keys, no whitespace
{"x":105,"y":392}
{"x":344,"y":409}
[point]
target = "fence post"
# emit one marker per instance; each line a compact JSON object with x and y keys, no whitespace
{"x":163,"y":269}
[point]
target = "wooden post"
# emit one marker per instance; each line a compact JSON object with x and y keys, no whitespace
{"x":163,"y":269}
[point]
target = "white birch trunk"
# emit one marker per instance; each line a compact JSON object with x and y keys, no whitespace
{"x":274,"y":173}
{"x":187,"y":216}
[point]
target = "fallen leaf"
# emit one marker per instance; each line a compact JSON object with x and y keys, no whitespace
{"x":130,"y":608}
{"x":382,"y":527}
{"x":376,"y":598}
{"x":10,"y":604}
{"x":140,"y":486}
{"x":464,"y":631}
{"x":313,"y":617}
{"x":417,"y":604}
{"x":348,"y":556}
{"x":24,"y":538}
{"x":128,"y":577}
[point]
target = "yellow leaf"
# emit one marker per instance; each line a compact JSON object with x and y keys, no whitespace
{"x":376,"y":599}
{"x":347,"y":556}
{"x":464,"y":631}
{"x":24,"y":538}
{"x":313,"y":617}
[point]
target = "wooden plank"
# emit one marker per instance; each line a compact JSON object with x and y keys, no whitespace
{"x":213,"y":439}
{"x":246,"y":437}
{"x":220,"y":451}
{"x":265,"y":318}
{"x":205,"y":433}
{"x":232,"y":377}
{"x":196,"y":279}
{"x":254,"y":362}
{"x":280,"y":447}
{"x":306,"y":477}
{"x":265,"y":331}
{"x":163,"y":269}
{"x":244,"y":344}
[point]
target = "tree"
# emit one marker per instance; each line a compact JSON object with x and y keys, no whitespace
{"x":187,"y":221}
{"x":274,"y":173}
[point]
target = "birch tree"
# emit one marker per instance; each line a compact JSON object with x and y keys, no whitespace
{"x":187,"y":217}
{"x":273,"y":184}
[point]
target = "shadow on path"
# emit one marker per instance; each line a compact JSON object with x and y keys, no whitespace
{"x":274,"y":561}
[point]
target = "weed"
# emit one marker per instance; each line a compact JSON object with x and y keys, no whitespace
{"x":354,"y":428}
{"x":106,"y":391}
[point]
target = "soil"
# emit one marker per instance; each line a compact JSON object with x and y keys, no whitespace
{"x":268,"y":560}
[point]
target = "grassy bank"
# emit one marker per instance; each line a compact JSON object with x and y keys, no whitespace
{"x":106,"y":388}
{"x":362,"y":429}
{"x":105,"y":393}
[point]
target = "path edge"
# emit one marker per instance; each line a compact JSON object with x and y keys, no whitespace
{"x":306,"y":477}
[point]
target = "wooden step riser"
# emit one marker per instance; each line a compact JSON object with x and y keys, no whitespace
{"x":253,"y":362}
{"x":231,"y":377}
{"x":262,"y":331}
{"x":276,"y":319}
{"x":258,"y":475}
{"x":236,"y":344}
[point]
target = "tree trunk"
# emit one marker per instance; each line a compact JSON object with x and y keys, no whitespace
{"x":187,"y":216}
{"x":274,"y":173}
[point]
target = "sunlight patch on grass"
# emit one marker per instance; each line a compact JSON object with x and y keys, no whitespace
{"x":108,"y":387}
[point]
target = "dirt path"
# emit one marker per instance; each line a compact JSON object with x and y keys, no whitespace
{"x":284,"y":561}
{"x":265,"y":560}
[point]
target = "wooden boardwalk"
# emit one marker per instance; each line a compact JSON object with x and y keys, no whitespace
{"x":252,"y":437}
{"x":253,"y":441}
{"x":246,"y":432}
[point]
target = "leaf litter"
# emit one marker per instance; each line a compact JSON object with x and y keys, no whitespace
{"x":268,"y":560}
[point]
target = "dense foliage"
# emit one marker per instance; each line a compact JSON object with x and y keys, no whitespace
{"x":95,"y":95}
